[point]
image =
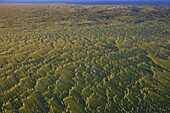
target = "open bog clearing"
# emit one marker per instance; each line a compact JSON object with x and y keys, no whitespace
{"x":71,"y":58}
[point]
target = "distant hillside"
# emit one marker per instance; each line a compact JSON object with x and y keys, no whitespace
{"x":95,"y":2}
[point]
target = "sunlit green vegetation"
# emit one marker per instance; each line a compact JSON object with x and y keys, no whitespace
{"x":84,"y":58}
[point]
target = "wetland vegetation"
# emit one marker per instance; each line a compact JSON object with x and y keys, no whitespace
{"x":84,"y":58}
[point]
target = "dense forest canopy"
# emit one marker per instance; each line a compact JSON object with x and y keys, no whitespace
{"x":84,"y":58}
